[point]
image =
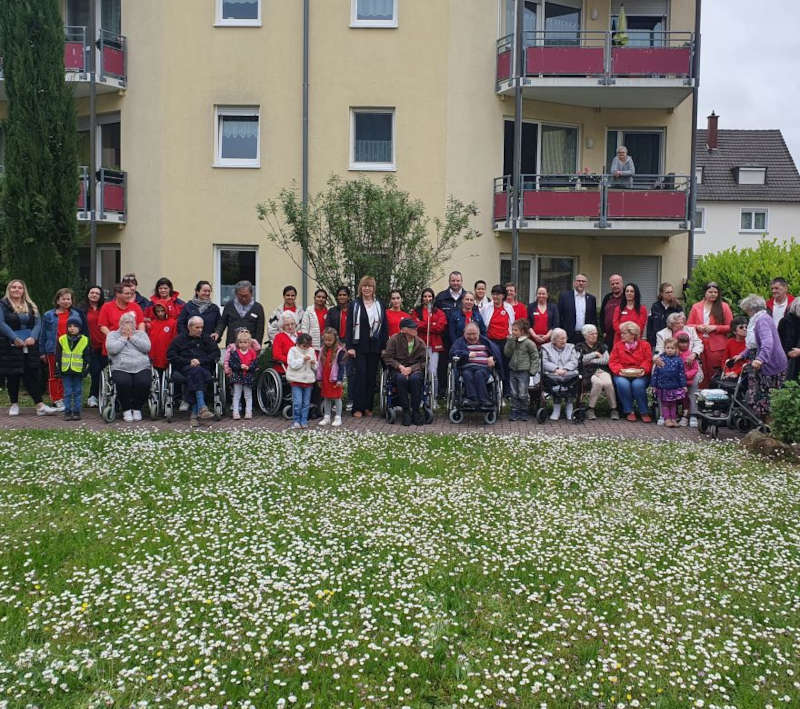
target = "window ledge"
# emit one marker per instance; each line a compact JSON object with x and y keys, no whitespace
{"x":237,"y":23}
{"x":372,"y":167}
{"x":753,"y":231}
{"x":247,"y":164}
{"x":374,"y":24}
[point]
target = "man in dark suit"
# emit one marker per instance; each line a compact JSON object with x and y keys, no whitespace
{"x":577,"y":308}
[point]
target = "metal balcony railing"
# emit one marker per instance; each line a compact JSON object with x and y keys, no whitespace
{"x":584,"y":196}
{"x":599,"y":54}
{"x":111,"y":195}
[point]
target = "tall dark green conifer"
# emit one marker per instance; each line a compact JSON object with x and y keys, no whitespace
{"x":41,"y":164}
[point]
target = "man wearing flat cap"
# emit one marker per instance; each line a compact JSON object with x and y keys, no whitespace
{"x":405,"y":357}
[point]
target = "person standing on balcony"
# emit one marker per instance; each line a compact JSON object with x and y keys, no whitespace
{"x":781,"y":299}
{"x":711,"y":318}
{"x":630,"y":309}
{"x":242,"y":311}
{"x":622,"y":169}
{"x":577,"y":308}
{"x":609,"y":306}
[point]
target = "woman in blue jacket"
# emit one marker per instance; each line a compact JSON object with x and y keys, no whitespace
{"x":458,"y":317}
{"x":54,"y":324}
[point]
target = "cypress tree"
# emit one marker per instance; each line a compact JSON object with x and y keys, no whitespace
{"x":39,"y":228}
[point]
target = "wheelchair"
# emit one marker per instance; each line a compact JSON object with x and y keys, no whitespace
{"x":558,"y":391}
{"x":108,"y":403}
{"x":455,"y":395}
{"x":172,"y":385}
{"x":388,"y":404}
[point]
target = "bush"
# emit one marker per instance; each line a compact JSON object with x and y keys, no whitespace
{"x":742,"y":272}
{"x":786,"y":412}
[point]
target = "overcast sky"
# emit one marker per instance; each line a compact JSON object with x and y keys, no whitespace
{"x":750,"y":66}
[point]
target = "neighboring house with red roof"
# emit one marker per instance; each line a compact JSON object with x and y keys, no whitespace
{"x":748,"y":187}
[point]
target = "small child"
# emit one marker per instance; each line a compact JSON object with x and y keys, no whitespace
{"x":692,"y":366}
{"x":669,"y":382}
{"x":332,"y":358}
{"x":734,"y":347}
{"x":72,"y":365}
{"x":162,"y":333}
{"x":523,"y":362}
{"x":301,"y":374}
{"x":242,"y":363}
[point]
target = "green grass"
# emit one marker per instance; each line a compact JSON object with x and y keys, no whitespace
{"x":257,"y":569}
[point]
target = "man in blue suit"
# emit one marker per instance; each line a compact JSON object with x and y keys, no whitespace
{"x":577,"y":308}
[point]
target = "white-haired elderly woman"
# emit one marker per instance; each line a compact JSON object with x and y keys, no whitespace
{"x":631,"y":362}
{"x":789,"y":331}
{"x":764,"y":350}
{"x":594,"y":368}
{"x":560,"y":362}
{"x":128,"y":350}
{"x":284,"y":340}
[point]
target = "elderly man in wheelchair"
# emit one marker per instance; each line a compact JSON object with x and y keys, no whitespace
{"x":193,"y":357}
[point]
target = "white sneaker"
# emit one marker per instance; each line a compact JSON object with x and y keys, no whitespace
{"x":59,"y":405}
{"x":683,"y":422}
{"x":184,"y":406}
{"x":127,"y":415}
{"x":337,"y":421}
{"x":236,"y":416}
{"x":556,"y":412}
{"x":92,"y":402}
{"x":660,"y":421}
{"x":137,"y":415}
{"x":324,"y":421}
{"x":295,"y":425}
{"x":45,"y":410}
{"x":693,"y":422}
{"x":569,"y":410}
{"x":13,"y":410}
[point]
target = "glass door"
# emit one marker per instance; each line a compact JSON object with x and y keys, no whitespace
{"x":530,"y":138}
{"x":562,"y":23}
{"x":644,"y":147}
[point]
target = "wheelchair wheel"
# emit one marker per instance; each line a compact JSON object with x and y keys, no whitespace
{"x":541,"y":414}
{"x":702,"y":425}
{"x":490,"y":417}
{"x":169,"y":411}
{"x":456,"y":416}
{"x":109,"y":412}
{"x":390,"y":415}
{"x":286,"y":412}
{"x":713,"y":431}
{"x":382,"y":403}
{"x":154,"y":399}
{"x":269,"y":392}
{"x":428,"y":414}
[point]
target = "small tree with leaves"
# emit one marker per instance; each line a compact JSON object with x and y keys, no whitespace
{"x":39,"y":226}
{"x":357,"y":227}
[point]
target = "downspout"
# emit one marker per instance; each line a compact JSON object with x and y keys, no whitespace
{"x":693,"y":169}
{"x":306,"y":12}
{"x":92,"y":196}
{"x":516,"y":179}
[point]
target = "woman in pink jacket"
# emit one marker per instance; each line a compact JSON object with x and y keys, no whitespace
{"x":711,"y":318}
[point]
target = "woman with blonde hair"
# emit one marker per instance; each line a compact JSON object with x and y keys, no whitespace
{"x":366,"y":338}
{"x":20,"y":330}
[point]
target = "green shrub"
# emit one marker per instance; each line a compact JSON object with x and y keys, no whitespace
{"x":786,"y":412}
{"x":742,"y":272}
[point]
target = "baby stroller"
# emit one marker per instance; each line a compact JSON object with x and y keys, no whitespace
{"x":456,"y":405}
{"x":560,"y":390}
{"x":727,"y":406}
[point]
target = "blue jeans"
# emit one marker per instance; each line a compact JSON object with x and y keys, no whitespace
{"x":301,"y":403}
{"x":629,"y":390}
{"x":199,"y":401}
{"x":73,"y":392}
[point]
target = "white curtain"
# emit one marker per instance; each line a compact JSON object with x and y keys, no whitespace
{"x":243,"y":127}
{"x":375,"y":9}
{"x":559,"y":150}
{"x":373,"y":151}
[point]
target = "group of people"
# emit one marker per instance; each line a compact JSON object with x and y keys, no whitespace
{"x":619,"y":349}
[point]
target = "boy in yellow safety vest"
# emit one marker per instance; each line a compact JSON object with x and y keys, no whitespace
{"x":72,"y":364}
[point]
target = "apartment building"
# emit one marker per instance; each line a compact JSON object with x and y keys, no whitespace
{"x":199,"y":119}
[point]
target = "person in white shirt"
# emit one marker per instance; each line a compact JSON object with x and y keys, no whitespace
{"x":781,"y":299}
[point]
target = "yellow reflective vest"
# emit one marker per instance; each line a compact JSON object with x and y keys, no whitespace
{"x":72,"y":360}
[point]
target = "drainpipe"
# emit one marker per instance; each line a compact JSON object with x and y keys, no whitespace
{"x":693,"y":169}
{"x":306,"y":12}
{"x":92,"y":196}
{"x":516,"y":190}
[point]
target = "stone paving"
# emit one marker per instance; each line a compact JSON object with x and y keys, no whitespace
{"x":473,"y":423}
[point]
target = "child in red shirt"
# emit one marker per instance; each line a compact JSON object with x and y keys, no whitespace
{"x":735,"y":346}
{"x":162,"y":332}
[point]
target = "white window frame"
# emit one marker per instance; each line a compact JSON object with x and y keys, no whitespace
{"x":372,"y":166}
{"x":219,"y":112}
{"x":752,"y":172}
{"x":753,"y":211}
{"x":217,"y":281}
{"x":386,"y":24}
{"x":220,"y":21}
{"x":540,"y":124}
{"x":701,"y":226}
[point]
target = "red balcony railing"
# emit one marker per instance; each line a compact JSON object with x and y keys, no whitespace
{"x":598,"y":54}
{"x":111,"y":195}
{"x":603,"y":198}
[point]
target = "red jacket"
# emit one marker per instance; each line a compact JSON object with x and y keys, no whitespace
{"x":173,"y":306}
{"x":438,"y":326}
{"x":733,"y":348}
{"x":626,"y":315}
{"x":280,"y":350}
{"x":162,"y":332}
{"x":393,"y":318}
{"x":622,"y":358}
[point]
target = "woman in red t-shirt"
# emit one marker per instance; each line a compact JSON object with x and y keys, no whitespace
{"x":431,"y":324}
{"x":543,"y":317}
{"x":395,"y":312}
{"x":630,"y":310}
{"x":97,"y":360}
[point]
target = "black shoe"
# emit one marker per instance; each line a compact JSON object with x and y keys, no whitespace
{"x":406,"y":418}
{"x":522,"y":417}
{"x":76,"y":416}
{"x":418,"y":418}
{"x":487,"y":404}
{"x":514,"y":416}
{"x":467,"y":403}
{"x":67,"y":415}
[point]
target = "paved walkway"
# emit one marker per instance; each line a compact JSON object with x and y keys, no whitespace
{"x":441,"y":425}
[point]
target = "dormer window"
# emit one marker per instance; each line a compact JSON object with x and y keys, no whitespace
{"x":751,"y":175}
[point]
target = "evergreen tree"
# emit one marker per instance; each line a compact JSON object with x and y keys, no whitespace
{"x":39,"y":228}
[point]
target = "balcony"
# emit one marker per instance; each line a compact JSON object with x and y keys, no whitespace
{"x":590,"y":68}
{"x":111,"y":196}
{"x":585,"y":204}
{"x":111,"y":61}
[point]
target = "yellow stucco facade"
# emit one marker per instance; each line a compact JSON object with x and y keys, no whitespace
{"x":435,"y":69}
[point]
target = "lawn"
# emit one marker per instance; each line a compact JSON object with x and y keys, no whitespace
{"x":266,"y":570}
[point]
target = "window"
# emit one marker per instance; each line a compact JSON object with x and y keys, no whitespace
{"x":373,"y":13}
{"x":372,"y":139}
{"x":239,"y":13}
{"x":556,"y":153}
{"x":556,"y":273}
{"x":645,"y":147}
{"x":754,"y":220}
{"x":231,"y":265}
{"x":752,"y":175}
{"x":698,"y":175}
{"x":111,"y":16}
{"x":700,"y":219}
{"x":236,"y":140}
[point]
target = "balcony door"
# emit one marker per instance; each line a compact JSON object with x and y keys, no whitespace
{"x":646,"y":148}
{"x":556,"y":273}
{"x":530,"y":145}
{"x":109,"y":142}
{"x":109,"y":14}
{"x":646,"y":21}
{"x":562,"y":19}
